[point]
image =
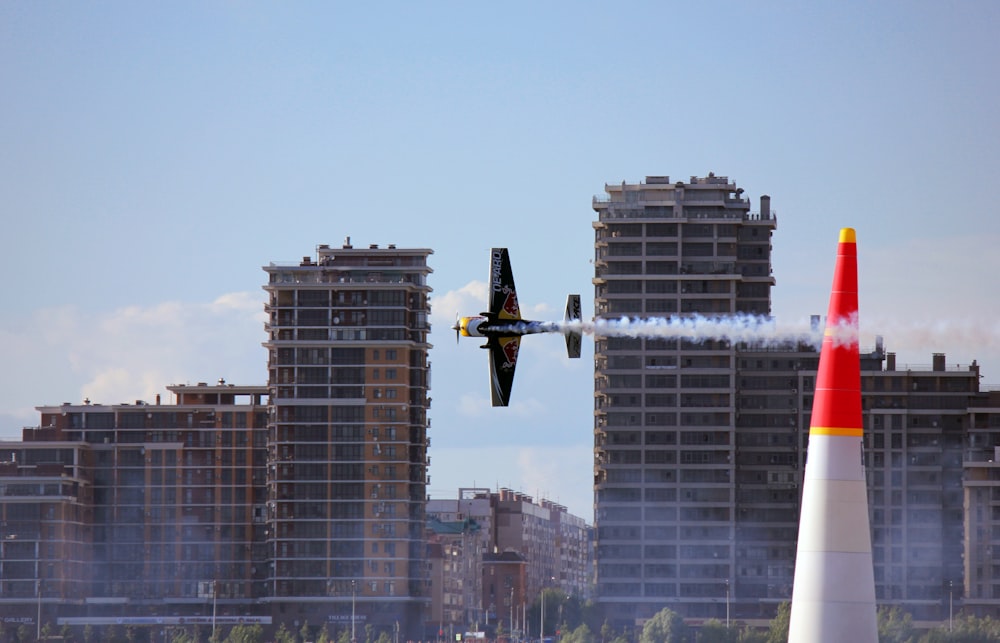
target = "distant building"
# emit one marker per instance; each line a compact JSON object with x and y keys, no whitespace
{"x":523,"y":548}
{"x":548,"y":536}
{"x":137,"y":509}
{"x":504,"y":591}
{"x":472,"y":514}
{"x":454,"y":556}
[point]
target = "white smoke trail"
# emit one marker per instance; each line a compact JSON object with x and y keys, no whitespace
{"x":753,"y":329}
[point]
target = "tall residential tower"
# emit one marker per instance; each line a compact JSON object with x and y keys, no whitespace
{"x":664,"y":436}
{"x":347,"y":445}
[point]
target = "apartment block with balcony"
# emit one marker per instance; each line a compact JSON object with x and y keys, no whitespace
{"x":138,"y":508}
{"x":664,"y":408}
{"x":347,"y":449}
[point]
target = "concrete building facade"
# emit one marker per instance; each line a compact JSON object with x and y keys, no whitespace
{"x":137,"y":509}
{"x":471,"y":516}
{"x":519,"y":548}
{"x":664,"y":434}
{"x":347,"y":435}
{"x":699,"y":447}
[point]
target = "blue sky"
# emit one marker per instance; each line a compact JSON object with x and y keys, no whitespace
{"x":153,"y":156}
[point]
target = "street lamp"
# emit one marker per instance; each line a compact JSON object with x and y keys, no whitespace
{"x":951,"y":601}
{"x":727,"y":603}
{"x":38,"y":620}
{"x":512,"y":612}
{"x":541,"y":621}
{"x":215,"y":595}
{"x":541,"y":625}
{"x":353,"y":600}
{"x":38,"y":587}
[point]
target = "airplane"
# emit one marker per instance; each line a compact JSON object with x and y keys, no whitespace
{"x":503,"y":327}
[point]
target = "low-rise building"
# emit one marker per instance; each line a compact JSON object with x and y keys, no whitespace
{"x":523,"y":547}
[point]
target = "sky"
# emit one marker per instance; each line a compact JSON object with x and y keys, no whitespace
{"x":154,"y":156}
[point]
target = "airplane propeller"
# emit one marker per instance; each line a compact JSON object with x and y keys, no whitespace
{"x":457,"y":328}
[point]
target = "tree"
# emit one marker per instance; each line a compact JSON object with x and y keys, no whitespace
{"x":581,"y":634}
{"x":555,"y":602}
{"x":666,"y":626}
{"x":571,"y":609}
{"x":344,"y":636}
{"x":246,"y":634}
{"x":751,"y":635}
{"x":970,"y":629}
{"x":778,"y":632}
{"x":283,"y":635}
{"x":110,"y":634}
{"x":606,"y":632}
{"x":713,"y":631}
{"x":894,"y":625}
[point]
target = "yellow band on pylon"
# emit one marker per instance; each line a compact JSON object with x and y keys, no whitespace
{"x":829,"y":430}
{"x":847,"y":235}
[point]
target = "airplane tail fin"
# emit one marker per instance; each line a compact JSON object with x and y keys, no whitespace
{"x":574,"y":337}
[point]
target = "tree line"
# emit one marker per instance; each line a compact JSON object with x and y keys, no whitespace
{"x":567,"y":620}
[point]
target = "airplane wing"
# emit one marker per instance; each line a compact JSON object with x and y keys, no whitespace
{"x":503,"y":295}
{"x":503,"y":359}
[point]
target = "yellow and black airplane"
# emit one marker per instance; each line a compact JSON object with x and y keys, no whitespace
{"x":503,"y":327}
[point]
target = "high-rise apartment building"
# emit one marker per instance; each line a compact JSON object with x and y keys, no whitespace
{"x":699,"y":447}
{"x":917,"y":435}
{"x":980,"y":592}
{"x":664,"y":435}
{"x":347,"y":435}
{"x":916,"y":421}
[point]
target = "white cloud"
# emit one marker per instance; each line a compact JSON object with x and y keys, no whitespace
{"x":473,"y":405}
{"x":470,"y":299}
{"x":130,"y":353}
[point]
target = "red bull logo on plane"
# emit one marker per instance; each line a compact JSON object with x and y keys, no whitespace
{"x":510,"y":305}
{"x":510,"y":348}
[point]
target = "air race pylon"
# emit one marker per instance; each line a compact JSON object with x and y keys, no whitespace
{"x":833,"y":598}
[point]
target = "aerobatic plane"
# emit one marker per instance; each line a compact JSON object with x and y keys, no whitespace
{"x":503,"y":327}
